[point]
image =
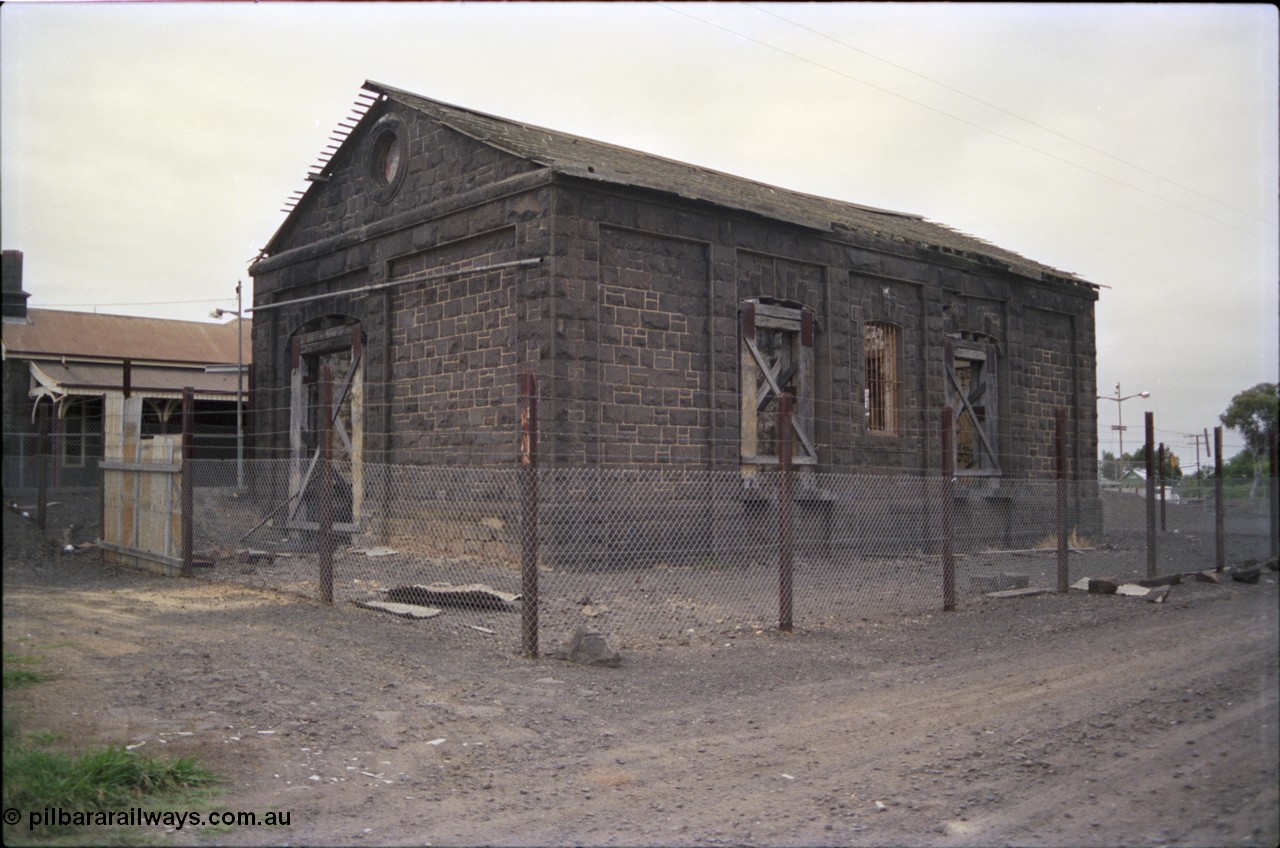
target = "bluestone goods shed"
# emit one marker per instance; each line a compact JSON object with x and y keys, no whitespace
{"x":437,"y":252}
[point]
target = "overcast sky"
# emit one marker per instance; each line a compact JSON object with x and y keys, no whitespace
{"x":148,"y":148}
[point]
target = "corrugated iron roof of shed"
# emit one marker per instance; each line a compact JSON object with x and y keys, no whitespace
{"x":153,"y":381}
{"x":587,"y":159}
{"x":54,"y":332}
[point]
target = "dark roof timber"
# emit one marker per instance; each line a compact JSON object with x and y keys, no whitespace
{"x":585,"y":159}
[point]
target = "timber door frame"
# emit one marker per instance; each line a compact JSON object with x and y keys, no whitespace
{"x":764,"y":380}
{"x":303,"y":348}
{"x":974,"y":401}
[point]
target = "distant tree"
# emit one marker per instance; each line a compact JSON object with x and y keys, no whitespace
{"x":1172,"y":467}
{"x":1255,"y":413}
{"x":1110,"y":467}
{"x":1239,"y":467}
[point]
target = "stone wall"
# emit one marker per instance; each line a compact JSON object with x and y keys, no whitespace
{"x":630,"y":319}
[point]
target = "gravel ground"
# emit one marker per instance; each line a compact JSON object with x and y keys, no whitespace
{"x":1070,"y":719}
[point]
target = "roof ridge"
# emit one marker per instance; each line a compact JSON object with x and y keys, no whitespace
{"x":583,"y":158}
{"x":402,"y":95}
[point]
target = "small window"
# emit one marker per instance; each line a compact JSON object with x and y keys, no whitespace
{"x":882,"y":386}
{"x":79,"y":421}
{"x":387,"y":153}
{"x":387,"y":157}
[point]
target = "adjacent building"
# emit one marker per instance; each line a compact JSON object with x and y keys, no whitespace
{"x":69,"y":364}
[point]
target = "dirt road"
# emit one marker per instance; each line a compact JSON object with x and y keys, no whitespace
{"x":1049,"y":720}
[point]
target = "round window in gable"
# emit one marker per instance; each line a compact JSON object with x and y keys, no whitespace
{"x":387,"y":157}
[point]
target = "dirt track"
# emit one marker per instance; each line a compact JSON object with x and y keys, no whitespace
{"x":1050,"y":720}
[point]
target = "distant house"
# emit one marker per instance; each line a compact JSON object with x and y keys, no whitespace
{"x":1137,"y":479}
{"x":70,"y":362}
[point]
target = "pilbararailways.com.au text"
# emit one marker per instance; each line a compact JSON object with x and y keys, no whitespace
{"x":138,"y":817}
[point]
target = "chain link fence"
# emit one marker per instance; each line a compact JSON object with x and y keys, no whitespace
{"x":654,"y":556}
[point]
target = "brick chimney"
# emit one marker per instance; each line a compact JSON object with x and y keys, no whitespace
{"x":15,"y":299}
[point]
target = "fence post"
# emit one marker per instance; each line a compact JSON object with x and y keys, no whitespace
{"x":1219,"y":537}
{"x":1060,"y":451}
{"x":1160,"y":476}
{"x":529,"y":514}
{"x":324,"y":509}
{"x":1273,"y":447}
{"x":1151,"y":493}
{"x":948,"y":530}
{"x":188,"y":482}
{"x":785,"y":535}
{"x":42,"y":491}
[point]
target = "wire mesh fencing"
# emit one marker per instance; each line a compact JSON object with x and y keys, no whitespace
{"x":648,"y":555}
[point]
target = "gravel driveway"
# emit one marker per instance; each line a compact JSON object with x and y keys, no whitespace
{"x":1049,"y":720}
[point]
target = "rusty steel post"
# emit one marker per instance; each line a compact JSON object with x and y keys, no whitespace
{"x":188,"y":481}
{"x":1219,"y":531}
{"x":1060,"y":451}
{"x":1273,"y":447}
{"x":785,"y":531}
{"x":42,"y":486}
{"x":1150,"y":453}
{"x":324,"y":510}
{"x":1160,"y":476}
{"x":948,"y":529}
{"x":529,"y":514}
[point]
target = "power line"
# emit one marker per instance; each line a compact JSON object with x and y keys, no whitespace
{"x":959,"y":119}
{"x":138,"y":303}
{"x":1008,"y":112}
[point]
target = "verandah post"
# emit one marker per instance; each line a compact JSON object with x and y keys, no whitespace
{"x":42,"y":489}
{"x":188,"y":481}
{"x":529,"y":513}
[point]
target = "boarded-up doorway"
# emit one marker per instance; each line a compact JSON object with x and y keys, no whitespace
{"x":338,"y":343}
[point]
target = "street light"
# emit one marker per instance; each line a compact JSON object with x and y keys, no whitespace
{"x":239,"y":313}
{"x":1119,"y":425}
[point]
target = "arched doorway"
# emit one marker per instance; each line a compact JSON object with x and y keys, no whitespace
{"x":336,"y":341}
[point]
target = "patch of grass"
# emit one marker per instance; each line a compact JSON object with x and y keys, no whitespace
{"x":45,"y":737}
{"x":103,"y":777}
{"x":19,"y":671}
{"x":59,"y":644}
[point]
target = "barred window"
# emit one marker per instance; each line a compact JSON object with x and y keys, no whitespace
{"x":882,"y":387}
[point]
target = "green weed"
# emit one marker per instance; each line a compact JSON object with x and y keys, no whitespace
{"x":19,"y":671}
{"x":104,"y":777}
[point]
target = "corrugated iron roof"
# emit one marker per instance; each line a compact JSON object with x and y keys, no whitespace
{"x":94,"y":379}
{"x":593,"y":160}
{"x":55,"y":333}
